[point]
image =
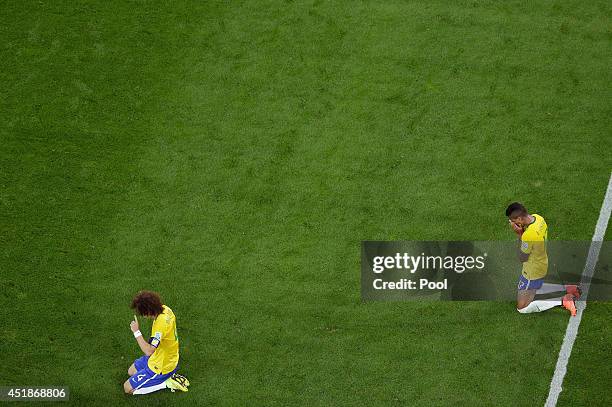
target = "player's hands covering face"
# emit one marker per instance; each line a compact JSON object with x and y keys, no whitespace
{"x":517,"y":229}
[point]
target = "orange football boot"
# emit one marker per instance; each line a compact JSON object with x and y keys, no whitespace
{"x":569,"y":304}
{"x":573,"y":290}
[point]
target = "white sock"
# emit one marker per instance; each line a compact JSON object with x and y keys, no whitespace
{"x":150,"y":389}
{"x":540,"y":305}
{"x":550,"y":288}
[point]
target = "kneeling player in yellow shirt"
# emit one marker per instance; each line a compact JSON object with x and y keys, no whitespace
{"x":532,"y":232}
{"x":156,"y":370}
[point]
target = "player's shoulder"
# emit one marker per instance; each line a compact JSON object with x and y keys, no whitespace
{"x":533,"y":232}
{"x":168,"y":311}
{"x":165,"y":317}
{"x":168,"y":315}
{"x":529,"y":235}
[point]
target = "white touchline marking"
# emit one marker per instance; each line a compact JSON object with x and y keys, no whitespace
{"x":574,"y":322}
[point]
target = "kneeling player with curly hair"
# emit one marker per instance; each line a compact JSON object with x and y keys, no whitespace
{"x":156,"y":370}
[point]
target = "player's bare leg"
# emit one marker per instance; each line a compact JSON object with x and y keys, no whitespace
{"x":525,"y":303}
{"x":132,"y":370}
{"x":127,"y":387}
{"x":524,"y":298}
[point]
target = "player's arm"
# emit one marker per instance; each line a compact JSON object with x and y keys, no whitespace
{"x":524,"y":250}
{"x":146,"y":347}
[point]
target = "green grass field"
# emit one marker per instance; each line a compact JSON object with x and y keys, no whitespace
{"x":233,"y":155}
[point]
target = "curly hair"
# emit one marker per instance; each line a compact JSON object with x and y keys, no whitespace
{"x":147,"y":303}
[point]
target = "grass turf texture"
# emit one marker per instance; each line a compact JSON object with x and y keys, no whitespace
{"x":233,"y":155}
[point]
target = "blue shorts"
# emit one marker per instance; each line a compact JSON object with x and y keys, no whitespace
{"x":525,"y":284}
{"x":145,"y":377}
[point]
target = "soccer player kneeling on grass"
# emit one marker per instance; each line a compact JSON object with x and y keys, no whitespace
{"x":532,"y":233}
{"x":156,"y":370}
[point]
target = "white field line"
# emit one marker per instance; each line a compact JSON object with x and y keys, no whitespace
{"x":556,"y":384}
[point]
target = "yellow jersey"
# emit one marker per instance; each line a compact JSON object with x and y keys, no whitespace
{"x":165,"y":340}
{"x":533,"y":243}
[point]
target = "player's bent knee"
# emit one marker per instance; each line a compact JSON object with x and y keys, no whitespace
{"x":127,"y":387}
{"x":132,"y":370}
{"x":522,"y":304}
